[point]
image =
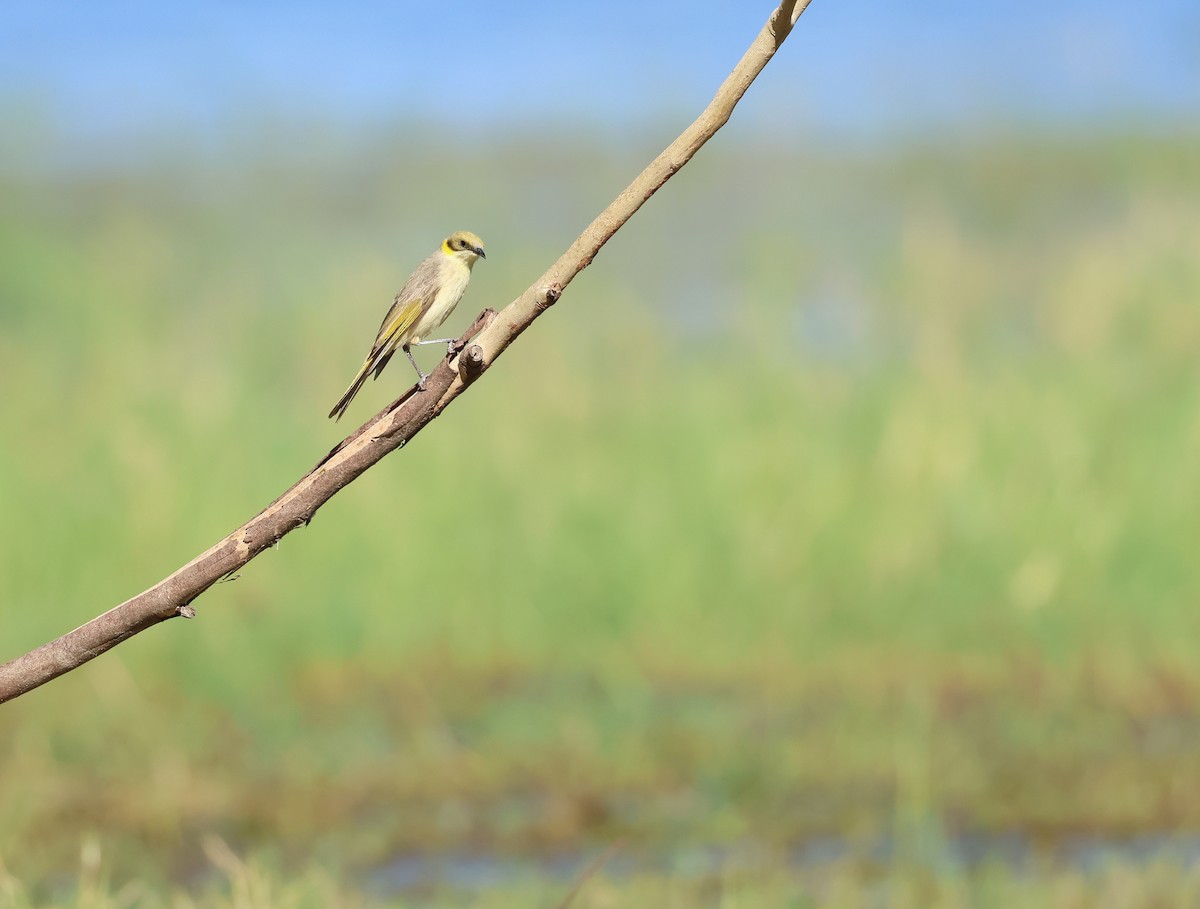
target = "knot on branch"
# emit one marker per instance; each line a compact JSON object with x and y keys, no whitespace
{"x":548,"y":296}
{"x":470,"y":364}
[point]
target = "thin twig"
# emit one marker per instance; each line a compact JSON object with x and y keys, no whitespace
{"x":396,"y":424}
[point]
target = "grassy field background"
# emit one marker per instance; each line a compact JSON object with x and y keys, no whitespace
{"x":849,"y":498}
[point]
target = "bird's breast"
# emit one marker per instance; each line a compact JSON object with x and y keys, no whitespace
{"x":452,"y":284}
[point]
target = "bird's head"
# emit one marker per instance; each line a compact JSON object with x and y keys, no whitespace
{"x":465,"y":245}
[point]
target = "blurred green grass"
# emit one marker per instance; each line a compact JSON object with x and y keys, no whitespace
{"x":842,"y":494}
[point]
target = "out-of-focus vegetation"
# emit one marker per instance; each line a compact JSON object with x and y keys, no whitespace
{"x":845,"y":497}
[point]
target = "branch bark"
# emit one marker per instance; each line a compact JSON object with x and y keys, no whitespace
{"x":393,"y":426}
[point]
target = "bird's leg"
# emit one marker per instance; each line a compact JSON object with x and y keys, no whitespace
{"x":449,"y":342}
{"x":423,"y":377}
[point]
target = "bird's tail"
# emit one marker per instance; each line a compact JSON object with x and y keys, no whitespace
{"x":344,"y":401}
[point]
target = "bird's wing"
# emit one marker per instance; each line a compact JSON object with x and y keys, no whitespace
{"x":401,"y":317}
{"x":413,"y":299}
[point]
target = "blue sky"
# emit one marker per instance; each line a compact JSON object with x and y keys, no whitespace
{"x":106,"y":71}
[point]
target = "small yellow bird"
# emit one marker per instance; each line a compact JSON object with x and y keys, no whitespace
{"x":423,"y":303}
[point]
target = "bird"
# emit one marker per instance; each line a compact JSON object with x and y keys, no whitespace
{"x":422,"y":304}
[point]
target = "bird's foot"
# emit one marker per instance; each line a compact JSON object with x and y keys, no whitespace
{"x":449,"y":342}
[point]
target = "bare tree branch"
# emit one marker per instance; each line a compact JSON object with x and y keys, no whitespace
{"x":392,"y":427}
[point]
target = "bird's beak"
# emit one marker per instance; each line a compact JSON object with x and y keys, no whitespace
{"x":478,"y":250}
